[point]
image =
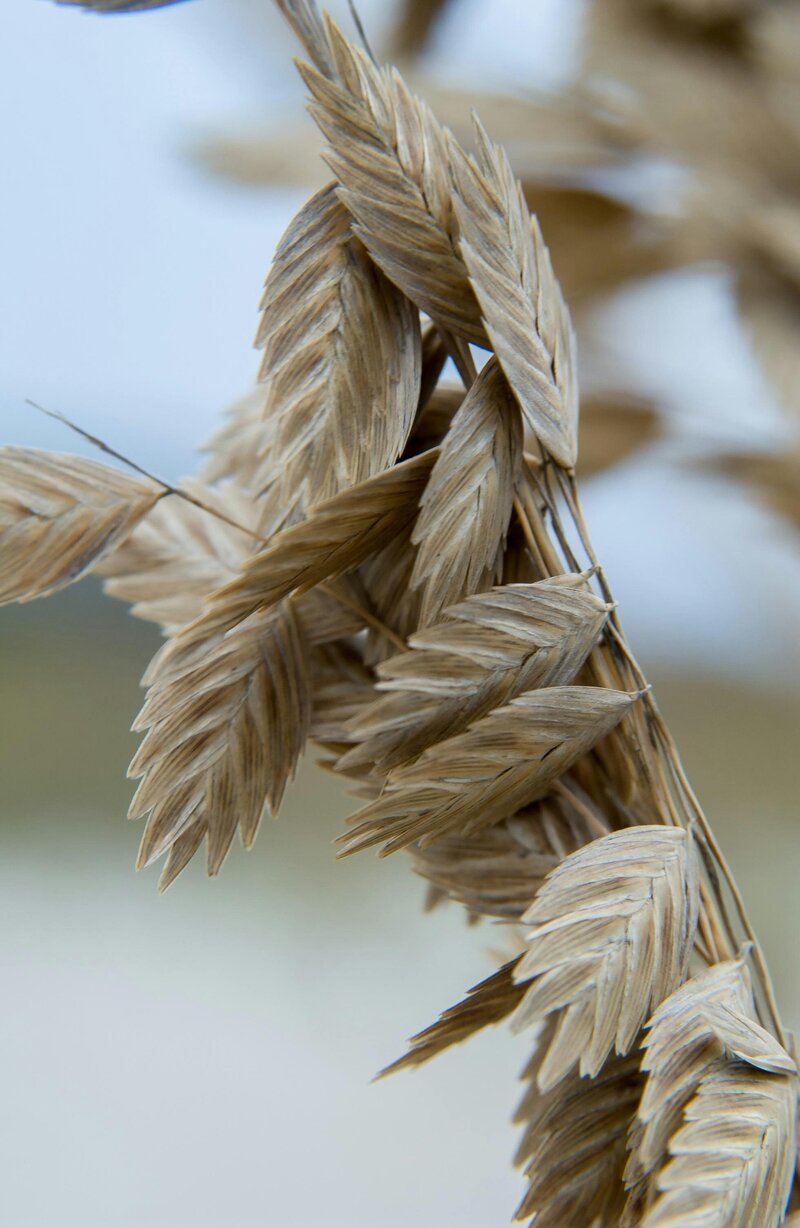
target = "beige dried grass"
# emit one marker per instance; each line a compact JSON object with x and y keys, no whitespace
{"x":611,"y":934}
{"x":342,"y":359}
{"x":501,"y":731}
{"x":488,"y":649}
{"x":60,"y":516}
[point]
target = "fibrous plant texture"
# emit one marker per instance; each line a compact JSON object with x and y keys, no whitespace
{"x":399,"y":569}
{"x":731,"y":200}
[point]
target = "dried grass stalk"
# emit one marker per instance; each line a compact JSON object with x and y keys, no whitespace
{"x":506,"y":734}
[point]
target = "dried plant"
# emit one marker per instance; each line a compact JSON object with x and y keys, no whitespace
{"x":403,"y":572}
{"x":644,"y":65}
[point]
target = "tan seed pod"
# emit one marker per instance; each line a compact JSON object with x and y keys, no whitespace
{"x":486,"y":650}
{"x":342,"y":360}
{"x":708,"y":1020}
{"x":338,"y":534}
{"x":612,"y":931}
{"x":388,"y":154}
{"x":733,"y":1160}
{"x":466,"y":506}
{"x":574,"y":1145}
{"x":326,"y":614}
{"x":60,"y":516}
{"x":505,"y":760}
{"x":487,"y":1003}
{"x":525,"y":315}
{"x":224,"y":737}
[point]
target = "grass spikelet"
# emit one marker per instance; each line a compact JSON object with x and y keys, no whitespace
{"x":485,"y":651}
{"x":574,"y":1144}
{"x":60,"y":516}
{"x":505,"y":760}
{"x":342,"y":360}
{"x":336,"y":537}
{"x":523,"y":309}
{"x":485,"y":1004}
{"x":466,"y":507}
{"x":402,"y":570}
{"x":733,"y":1160}
{"x":498,"y":871}
{"x":179,"y":553}
{"x":389,"y":156}
{"x":611,"y":934}
{"x":704,"y":1026}
{"x":224,"y":738}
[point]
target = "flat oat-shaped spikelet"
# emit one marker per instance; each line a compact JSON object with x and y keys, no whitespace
{"x":389,"y":155}
{"x":337,"y":536}
{"x":706,"y":1024}
{"x":497,"y":872}
{"x":502,"y":762}
{"x":223,"y":739}
{"x":523,"y":308}
{"x":574,"y":1144}
{"x":485,"y":1004}
{"x":179,"y":553}
{"x":59,"y":516}
{"x":733,"y":1160}
{"x":485,"y":651}
{"x":342,"y":359}
{"x":612,"y":932}
{"x":466,"y":507}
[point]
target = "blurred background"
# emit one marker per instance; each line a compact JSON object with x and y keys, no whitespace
{"x":204,"y":1059}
